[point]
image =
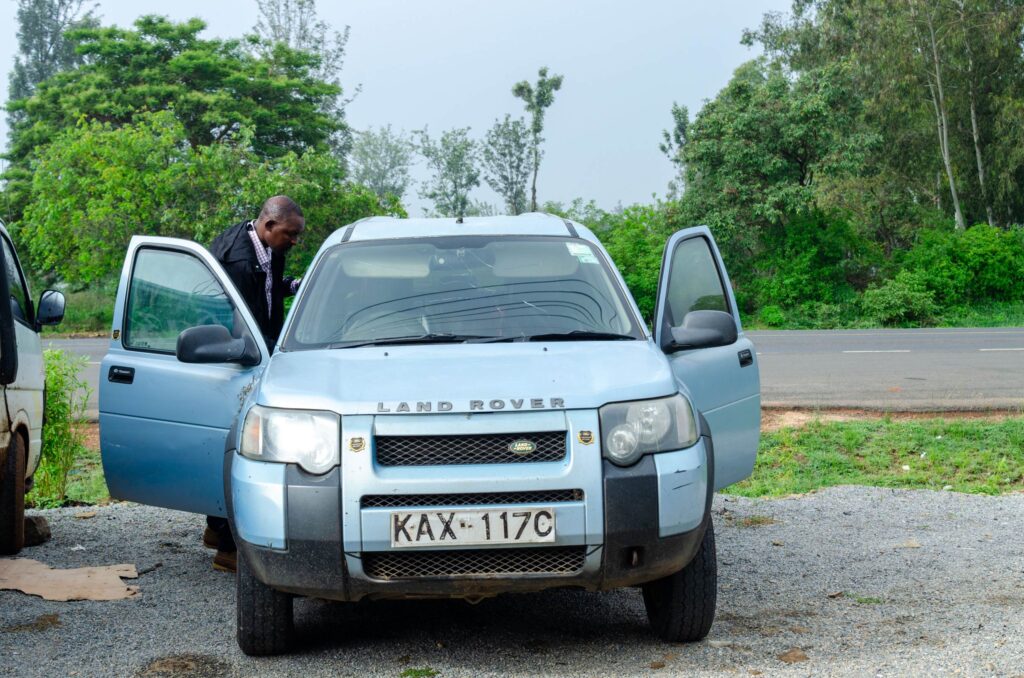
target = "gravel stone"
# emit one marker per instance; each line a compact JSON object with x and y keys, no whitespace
{"x":830,"y":576}
{"x":37,"y":530}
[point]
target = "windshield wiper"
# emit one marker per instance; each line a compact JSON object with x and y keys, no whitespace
{"x":430,"y":338}
{"x":581,"y":335}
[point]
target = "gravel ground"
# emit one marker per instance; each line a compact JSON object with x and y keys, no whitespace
{"x":929,"y":583}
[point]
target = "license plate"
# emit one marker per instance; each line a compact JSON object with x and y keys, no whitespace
{"x":464,"y":528}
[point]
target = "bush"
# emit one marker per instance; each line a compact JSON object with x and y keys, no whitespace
{"x":980,"y":264}
{"x":772,"y":316}
{"x":815,"y":258}
{"x":66,"y":396}
{"x":88,"y":311}
{"x":636,"y":241}
{"x":903,"y":299}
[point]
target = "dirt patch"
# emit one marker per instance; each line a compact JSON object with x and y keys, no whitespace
{"x":91,"y":431}
{"x":773,"y":419}
{"x":191,"y":665}
{"x":41,"y":623}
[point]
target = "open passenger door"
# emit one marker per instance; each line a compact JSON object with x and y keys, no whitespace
{"x":163,"y":422}
{"x":698,"y":325}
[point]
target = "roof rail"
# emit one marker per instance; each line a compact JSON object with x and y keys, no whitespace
{"x":568,"y":224}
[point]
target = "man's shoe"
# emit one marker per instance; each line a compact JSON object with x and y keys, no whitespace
{"x":226,"y":561}
{"x":210,"y":538}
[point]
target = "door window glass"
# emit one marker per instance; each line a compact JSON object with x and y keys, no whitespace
{"x":694,"y":283}
{"x":171,"y":292}
{"x":19,"y":297}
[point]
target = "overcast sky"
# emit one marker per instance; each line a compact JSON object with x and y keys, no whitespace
{"x":452,"y":63}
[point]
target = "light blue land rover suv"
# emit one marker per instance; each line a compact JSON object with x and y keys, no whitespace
{"x":454,"y":409}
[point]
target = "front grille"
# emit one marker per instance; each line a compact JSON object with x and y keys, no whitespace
{"x":432,"y":564}
{"x":474,"y":449}
{"x":471,"y":499}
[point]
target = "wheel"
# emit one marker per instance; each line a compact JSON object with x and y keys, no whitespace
{"x":264,"y":615}
{"x":12,"y":497}
{"x":681,"y":606}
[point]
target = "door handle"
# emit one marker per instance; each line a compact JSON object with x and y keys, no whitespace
{"x":746,"y":357}
{"x":121,"y":375}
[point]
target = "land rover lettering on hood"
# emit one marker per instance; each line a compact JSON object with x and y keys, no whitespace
{"x":455,"y":409}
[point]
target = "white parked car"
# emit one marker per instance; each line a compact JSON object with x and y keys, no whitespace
{"x":21,"y":385}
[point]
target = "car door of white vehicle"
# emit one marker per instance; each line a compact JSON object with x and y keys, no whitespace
{"x":24,"y":395}
{"x":163,"y":422}
{"x":722,"y":381}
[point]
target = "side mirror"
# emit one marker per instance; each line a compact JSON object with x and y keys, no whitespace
{"x":703,"y":329}
{"x":214,"y":344}
{"x":50,"y":310}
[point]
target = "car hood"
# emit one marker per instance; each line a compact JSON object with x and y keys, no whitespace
{"x":467,"y":377}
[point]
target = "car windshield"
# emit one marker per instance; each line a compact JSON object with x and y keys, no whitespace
{"x":459,"y":289}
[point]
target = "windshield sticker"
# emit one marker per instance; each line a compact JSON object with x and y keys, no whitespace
{"x":582,"y":252}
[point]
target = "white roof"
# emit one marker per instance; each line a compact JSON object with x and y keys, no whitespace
{"x":533,"y":223}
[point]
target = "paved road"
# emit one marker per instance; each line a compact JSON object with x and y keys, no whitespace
{"x":934,"y":369}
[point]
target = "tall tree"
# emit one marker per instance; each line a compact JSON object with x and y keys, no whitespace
{"x":757,"y":154}
{"x":381,"y":161}
{"x":506,"y":162}
{"x":452,"y":159}
{"x":295,"y":23}
{"x":43,"y":50}
{"x":537,"y":98}
{"x":214,"y":87}
{"x":673,"y":145}
{"x":936,"y":81}
{"x":96,"y":185}
{"x":929,"y":30}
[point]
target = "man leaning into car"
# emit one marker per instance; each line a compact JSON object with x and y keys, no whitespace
{"x":252,"y":254}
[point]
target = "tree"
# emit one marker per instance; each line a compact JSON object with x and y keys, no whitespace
{"x":452,"y":159}
{"x":295,"y":23}
{"x":929,"y":35}
{"x":97,"y":185}
{"x":506,"y":162}
{"x":536,"y":99}
{"x":756,"y":154}
{"x":937,"y":81}
{"x":215,"y":89}
{"x":381,"y":161}
{"x":673,"y":145}
{"x":43,"y":50}
{"x":213,"y":86}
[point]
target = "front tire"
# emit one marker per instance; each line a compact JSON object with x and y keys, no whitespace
{"x":681,"y":606}
{"x":12,"y":497}
{"x":265,"y":625}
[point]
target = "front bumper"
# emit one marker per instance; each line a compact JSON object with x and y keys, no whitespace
{"x":311,"y":535}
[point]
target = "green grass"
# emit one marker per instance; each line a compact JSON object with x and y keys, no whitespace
{"x":994,"y":314}
{"x":965,"y":455}
{"x":86,"y":312}
{"x":86,"y":484}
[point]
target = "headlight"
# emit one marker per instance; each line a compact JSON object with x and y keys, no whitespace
{"x":307,"y":438}
{"x":631,"y":430}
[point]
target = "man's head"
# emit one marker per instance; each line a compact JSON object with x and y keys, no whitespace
{"x":280,"y":223}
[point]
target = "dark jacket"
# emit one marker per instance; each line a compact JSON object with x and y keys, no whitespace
{"x":233,"y":249}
